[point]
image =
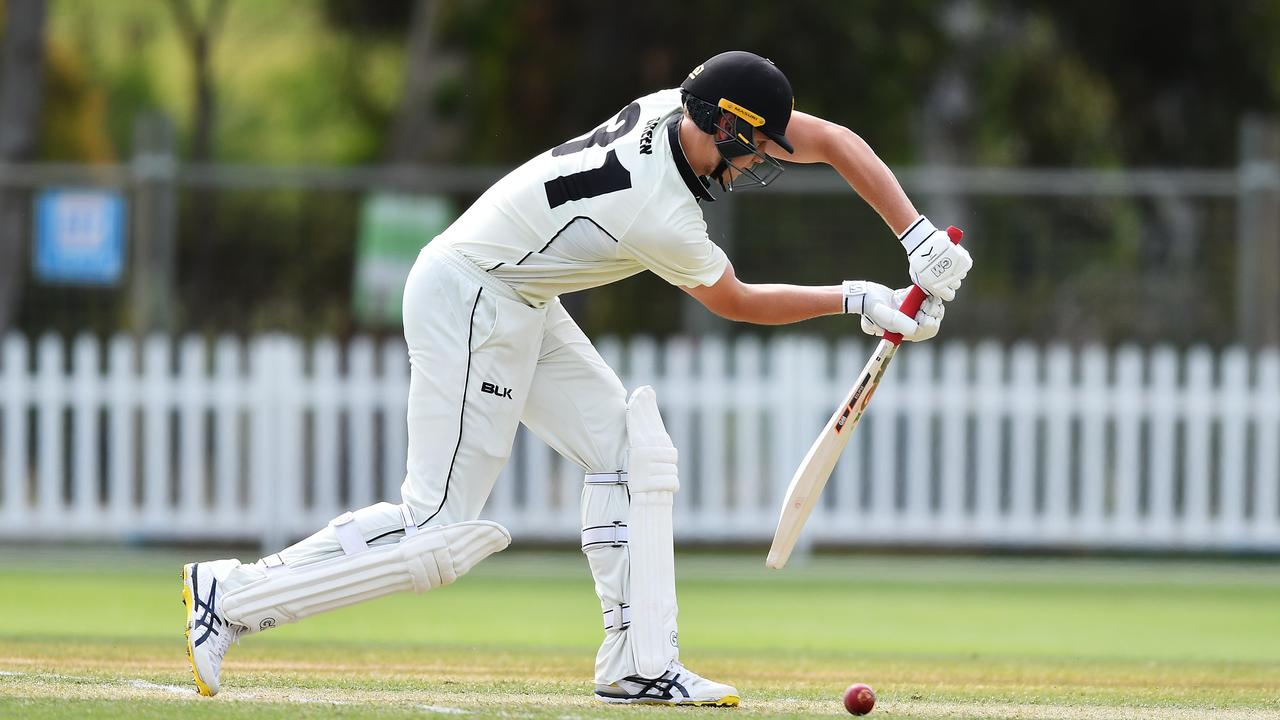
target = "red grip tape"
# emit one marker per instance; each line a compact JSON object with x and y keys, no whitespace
{"x":916,"y":297}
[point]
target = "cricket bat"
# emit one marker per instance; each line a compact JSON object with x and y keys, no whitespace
{"x":809,"y":479}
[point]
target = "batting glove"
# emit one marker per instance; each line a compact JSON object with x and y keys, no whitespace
{"x":937,"y":265}
{"x":878,"y":306}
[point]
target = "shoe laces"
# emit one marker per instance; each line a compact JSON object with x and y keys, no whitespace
{"x":232,"y":635}
{"x":207,"y":617}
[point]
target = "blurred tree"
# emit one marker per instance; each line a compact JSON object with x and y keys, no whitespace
{"x":422,"y":130}
{"x":74,"y":113}
{"x":422,"y":126}
{"x":21,"y":76}
{"x":199,"y":31}
{"x":543,"y":71}
{"x":132,"y":85}
{"x":1179,"y":78}
{"x":1089,"y":84}
{"x":1041,"y":83}
{"x":387,"y":19}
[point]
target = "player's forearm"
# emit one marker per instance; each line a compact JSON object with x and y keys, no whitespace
{"x":821,"y":141}
{"x":867,"y":174}
{"x":776,"y":304}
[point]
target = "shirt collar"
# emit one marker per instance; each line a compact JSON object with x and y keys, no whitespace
{"x":697,"y":185}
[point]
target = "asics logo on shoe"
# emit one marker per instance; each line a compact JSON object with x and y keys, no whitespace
{"x":659,"y":688}
{"x":205,"y":616}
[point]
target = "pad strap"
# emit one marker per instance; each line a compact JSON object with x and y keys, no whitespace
{"x":349,"y":535}
{"x":432,"y":558}
{"x":273,"y":564}
{"x":617,"y":618}
{"x":410,"y":523}
{"x":614,"y":535}
{"x":617,"y":477}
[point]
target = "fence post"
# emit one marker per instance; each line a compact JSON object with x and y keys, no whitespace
{"x":1059,"y":408}
{"x":15,"y":390}
{"x":1258,"y":233}
{"x":1266,"y":456}
{"x":122,"y":393}
{"x":157,"y":393}
{"x":50,"y":396}
{"x":1236,"y":412}
{"x":228,"y":398}
{"x":86,"y":384}
{"x":266,"y":467}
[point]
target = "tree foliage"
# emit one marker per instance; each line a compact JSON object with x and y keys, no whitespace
{"x":999,"y":82}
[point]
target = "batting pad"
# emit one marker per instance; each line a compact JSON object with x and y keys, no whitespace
{"x":653,"y":483}
{"x":428,"y":559}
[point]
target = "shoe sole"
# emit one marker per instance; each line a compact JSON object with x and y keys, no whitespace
{"x":189,"y":602}
{"x":726,"y":701}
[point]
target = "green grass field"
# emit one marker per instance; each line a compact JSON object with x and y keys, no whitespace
{"x":99,"y":634}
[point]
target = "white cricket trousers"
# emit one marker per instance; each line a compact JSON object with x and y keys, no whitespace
{"x":483,"y":361}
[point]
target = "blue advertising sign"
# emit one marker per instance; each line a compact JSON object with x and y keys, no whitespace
{"x":79,"y":236}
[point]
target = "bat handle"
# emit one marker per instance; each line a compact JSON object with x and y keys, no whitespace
{"x":916,"y":297}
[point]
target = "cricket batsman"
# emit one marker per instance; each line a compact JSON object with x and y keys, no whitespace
{"x":491,"y":346}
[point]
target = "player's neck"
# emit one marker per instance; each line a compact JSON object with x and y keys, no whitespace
{"x":698,"y":148}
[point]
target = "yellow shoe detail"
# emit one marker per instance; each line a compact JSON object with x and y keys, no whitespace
{"x":726,"y":701}
{"x":189,"y":602}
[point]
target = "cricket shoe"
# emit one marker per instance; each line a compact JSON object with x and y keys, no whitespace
{"x":677,"y":686}
{"x":208,"y":633}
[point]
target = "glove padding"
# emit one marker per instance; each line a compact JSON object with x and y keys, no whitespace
{"x":878,"y":306}
{"x":937,"y":264}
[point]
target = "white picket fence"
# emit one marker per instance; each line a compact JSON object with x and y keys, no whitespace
{"x":984,"y":445}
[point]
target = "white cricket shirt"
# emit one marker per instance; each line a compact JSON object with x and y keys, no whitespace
{"x":597,"y":209}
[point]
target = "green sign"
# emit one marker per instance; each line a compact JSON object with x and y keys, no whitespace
{"x":393,"y":229}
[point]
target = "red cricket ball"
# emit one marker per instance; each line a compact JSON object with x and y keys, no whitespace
{"x":859,"y":699}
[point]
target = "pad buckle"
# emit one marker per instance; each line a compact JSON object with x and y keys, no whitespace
{"x":614,"y":535}
{"x":349,"y":535}
{"x":617,"y":618}
{"x":410,"y":522}
{"x":273,"y":564}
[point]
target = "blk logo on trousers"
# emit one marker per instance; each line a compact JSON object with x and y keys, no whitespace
{"x":492,"y":389}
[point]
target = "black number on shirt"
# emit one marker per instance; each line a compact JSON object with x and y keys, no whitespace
{"x":626,"y":119}
{"x":609,"y":177}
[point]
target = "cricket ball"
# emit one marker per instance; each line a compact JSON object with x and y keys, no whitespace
{"x":859,"y":699}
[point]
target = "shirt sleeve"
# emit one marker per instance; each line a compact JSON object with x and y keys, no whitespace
{"x":677,"y":249}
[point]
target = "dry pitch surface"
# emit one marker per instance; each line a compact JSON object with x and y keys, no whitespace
{"x":100,"y":636}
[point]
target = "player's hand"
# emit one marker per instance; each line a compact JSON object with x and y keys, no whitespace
{"x":937,"y":265}
{"x":878,"y":306}
{"x":928,"y":317}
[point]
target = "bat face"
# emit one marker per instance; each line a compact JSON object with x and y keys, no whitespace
{"x":821,"y":459}
{"x":853,"y":401}
{"x":862,"y":392}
